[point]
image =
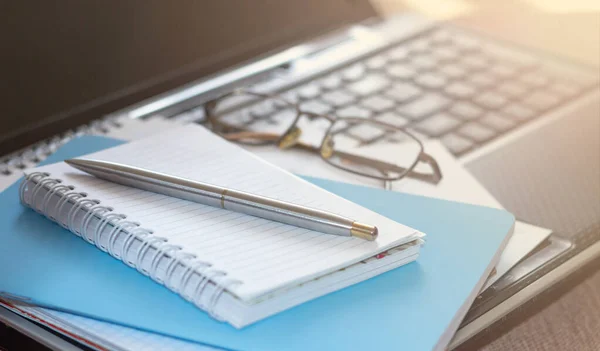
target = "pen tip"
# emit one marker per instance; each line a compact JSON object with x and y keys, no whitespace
{"x":364,"y":231}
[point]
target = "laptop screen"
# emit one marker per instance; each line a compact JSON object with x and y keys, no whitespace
{"x":68,"y":62}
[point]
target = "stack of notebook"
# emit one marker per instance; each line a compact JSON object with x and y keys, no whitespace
{"x":236,"y":267}
{"x":112,"y":306}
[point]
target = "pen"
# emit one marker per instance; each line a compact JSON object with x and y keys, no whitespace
{"x":229,"y":199}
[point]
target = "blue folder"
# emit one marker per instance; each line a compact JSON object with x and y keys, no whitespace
{"x":407,"y":308}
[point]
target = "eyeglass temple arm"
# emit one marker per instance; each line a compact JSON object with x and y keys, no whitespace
{"x":436,"y":174}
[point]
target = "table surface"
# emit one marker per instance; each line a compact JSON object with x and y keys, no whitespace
{"x":567,"y":318}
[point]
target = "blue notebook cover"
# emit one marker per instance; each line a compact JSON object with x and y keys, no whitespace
{"x":407,"y":308}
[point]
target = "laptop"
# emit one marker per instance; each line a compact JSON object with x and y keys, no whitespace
{"x":524,"y":122}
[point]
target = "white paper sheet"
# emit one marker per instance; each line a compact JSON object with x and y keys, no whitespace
{"x":457,"y":184}
{"x":528,"y":237}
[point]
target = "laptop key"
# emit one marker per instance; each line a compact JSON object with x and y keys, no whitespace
{"x":476,"y":132}
{"x":498,"y":123}
{"x":491,"y":100}
{"x":502,"y":70}
{"x":315,"y":106}
{"x":481,"y":79}
{"x":317,"y":124}
{"x":332,"y":81}
{"x":401,"y":71}
{"x":431,"y":80}
{"x":397,"y":54}
{"x":16,"y":163}
{"x":461,"y":90}
{"x":378,"y":103}
{"x":393,"y":118}
{"x":423,"y":62}
{"x":370,"y":84}
{"x":512,"y":89}
{"x":465,"y":43}
{"x":440,"y":36}
{"x":453,"y":71}
{"x":402,"y":92}
{"x":337,"y":98}
{"x":237,"y":118}
{"x":518,"y":112}
{"x":275,"y":122}
{"x":456,"y":144}
{"x":263,"y":108}
{"x":376,"y":62}
{"x":4,"y":169}
{"x":445,"y":53}
{"x":475,"y":61}
{"x":438,"y":124}
{"x":466,"y":111}
{"x":425,"y":105}
{"x":309,"y":91}
{"x":365,"y":132}
{"x":354,"y":111}
{"x":353,"y":72}
{"x":418,"y":45}
{"x":290,"y":96}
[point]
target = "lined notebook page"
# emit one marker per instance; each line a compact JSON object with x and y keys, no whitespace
{"x":263,"y":254}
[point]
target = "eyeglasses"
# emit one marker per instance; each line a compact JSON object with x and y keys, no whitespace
{"x":253,"y":118}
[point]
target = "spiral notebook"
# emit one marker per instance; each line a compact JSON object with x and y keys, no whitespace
{"x":238,"y":268}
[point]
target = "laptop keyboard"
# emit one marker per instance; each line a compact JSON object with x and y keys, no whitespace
{"x":443,"y":85}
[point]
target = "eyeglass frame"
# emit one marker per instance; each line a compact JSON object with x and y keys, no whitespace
{"x":289,"y":138}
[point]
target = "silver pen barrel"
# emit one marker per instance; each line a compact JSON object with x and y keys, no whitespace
{"x":233,"y":200}
{"x":285,"y":212}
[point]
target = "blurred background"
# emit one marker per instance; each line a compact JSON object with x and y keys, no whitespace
{"x":565,"y":27}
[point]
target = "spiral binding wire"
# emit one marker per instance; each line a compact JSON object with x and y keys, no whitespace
{"x":38,"y":152}
{"x":133,"y":230}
